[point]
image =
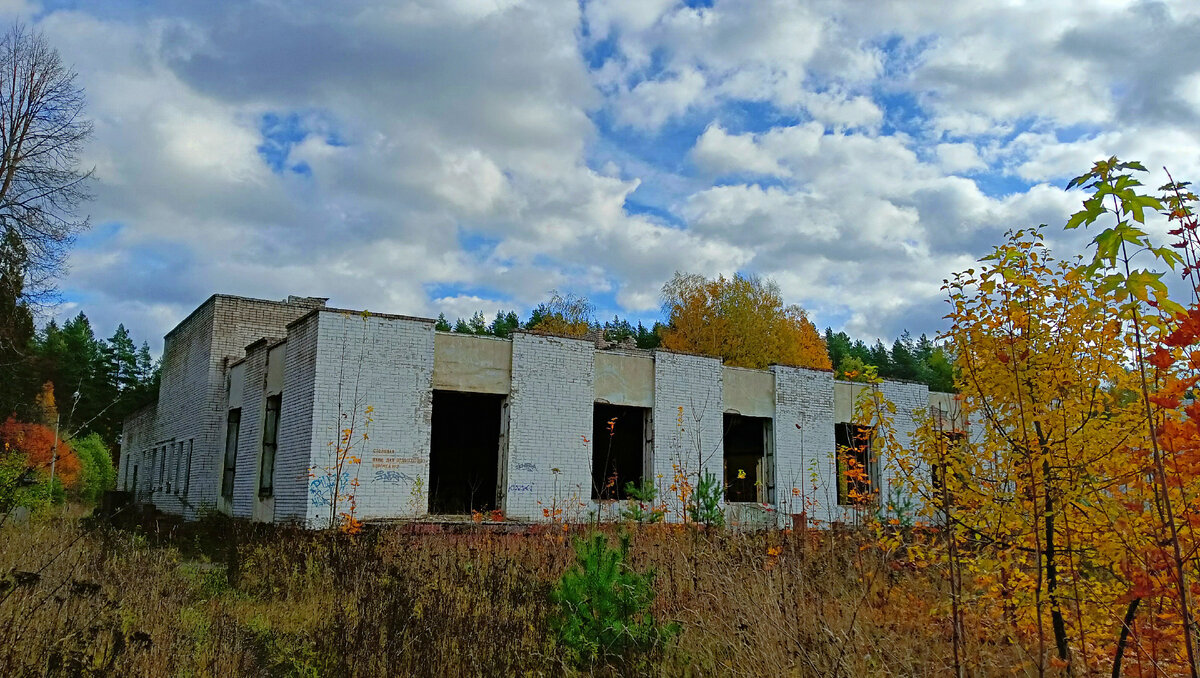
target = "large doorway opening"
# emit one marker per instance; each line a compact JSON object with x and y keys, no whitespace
{"x":749,"y":460}
{"x":464,"y":452}
{"x":621,"y":441}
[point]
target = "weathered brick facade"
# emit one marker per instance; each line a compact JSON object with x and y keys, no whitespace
{"x":688,"y":409}
{"x":377,"y":368}
{"x":190,"y":401}
{"x":334,"y":370}
{"x":804,"y":443}
{"x":550,"y":427}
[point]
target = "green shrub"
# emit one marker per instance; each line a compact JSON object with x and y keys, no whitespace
{"x":604,"y":605}
{"x":96,"y":470}
{"x":21,"y":486}
{"x":642,"y":510}
{"x":705,"y":504}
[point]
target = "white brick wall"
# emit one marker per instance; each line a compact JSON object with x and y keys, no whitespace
{"x":137,"y":435}
{"x":388,"y":361}
{"x":245,"y":479}
{"x":912,"y":404}
{"x":688,"y":422}
{"x":550,"y":415}
{"x":191,"y":400}
{"x":385,"y":363}
{"x":296,"y":425}
{"x":804,"y":443}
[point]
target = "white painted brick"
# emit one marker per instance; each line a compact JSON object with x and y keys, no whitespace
{"x":385,"y":363}
{"x":688,"y":423}
{"x":804,"y":443}
{"x":549,"y":457}
{"x":338,"y":363}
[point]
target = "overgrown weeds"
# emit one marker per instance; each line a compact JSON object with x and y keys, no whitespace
{"x":223,"y":598}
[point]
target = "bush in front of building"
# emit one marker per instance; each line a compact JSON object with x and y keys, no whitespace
{"x":97,"y":473}
{"x":604,"y":605}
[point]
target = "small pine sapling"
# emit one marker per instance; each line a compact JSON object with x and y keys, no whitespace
{"x":604,"y":605}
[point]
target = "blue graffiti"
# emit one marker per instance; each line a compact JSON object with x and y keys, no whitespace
{"x":322,"y":488}
{"x":391,"y":477}
{"x":521,"y":488}
{"x":526,"y":466}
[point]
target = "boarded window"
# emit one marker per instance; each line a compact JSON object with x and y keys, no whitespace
{"x":620,"y":448}
{"x":857,"y":470}
{"x":266,"y":472}
{"x":747,"y":456}
{"x":232,"y":428}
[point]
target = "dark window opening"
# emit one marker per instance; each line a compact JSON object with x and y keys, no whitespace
{"x":856,"y":467}
{"x":177,"y":460}
{"x":231,"y":440}
{"x":951,"y":440}
{"x":266,"y":471}
{"x":464,"y":453}
{"x":748,"y":473}
{"x":619,"y":441}
{"x":161,"y":457}
{"x":187,"y":472}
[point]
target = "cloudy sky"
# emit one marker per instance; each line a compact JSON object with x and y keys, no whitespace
{"x":454,"y":155}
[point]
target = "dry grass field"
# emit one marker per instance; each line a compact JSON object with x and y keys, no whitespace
{"x":223,"y":598}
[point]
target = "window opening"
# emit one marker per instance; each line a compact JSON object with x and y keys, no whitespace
{"x":747,"y":459}
{"x":620,"y":449}
{"x":464,"y":452}
{"x":266,"y":471}
{"x":857,"y":470}
{"x":232,"y":428}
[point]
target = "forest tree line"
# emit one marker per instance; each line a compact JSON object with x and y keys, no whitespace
{"x":920,"y":360}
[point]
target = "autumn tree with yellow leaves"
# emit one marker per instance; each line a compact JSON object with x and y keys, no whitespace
{"x":742,"y":319}
{"x":1065,"y":487}
{"x":567,"y":315}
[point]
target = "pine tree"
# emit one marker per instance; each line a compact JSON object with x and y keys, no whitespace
{"x":504,"y":324}
{"x":122,"y":360}
{"x":16,"y":332}
{"x":478,"y":325}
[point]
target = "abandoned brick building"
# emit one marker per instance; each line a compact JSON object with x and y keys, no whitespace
{"x":258,"y":396}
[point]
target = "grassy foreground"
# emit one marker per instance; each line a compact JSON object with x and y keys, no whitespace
{"x":224,"y":598}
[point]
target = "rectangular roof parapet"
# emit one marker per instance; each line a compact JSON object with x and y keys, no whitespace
{"x":632,"y":352}
{"x":301,"y":301}
{"x":803,"y":367}
{"x":270,"y":342}
{"x":556,"y":335}
{"x":692,"y":353}
{"x":475,"y":336}
{"x":370,"y":314}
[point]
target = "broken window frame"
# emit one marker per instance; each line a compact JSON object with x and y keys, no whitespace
{"x":270,"y":444}
{"x":937,"y":470}
{"x":864,"y":455}
{"x":233,"y":426}
{"x":187,"y":472}
{"x":763,"y":468}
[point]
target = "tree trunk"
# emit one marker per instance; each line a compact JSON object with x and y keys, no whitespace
{"x":1056,"y":616}
{"x":1123,"y":640}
